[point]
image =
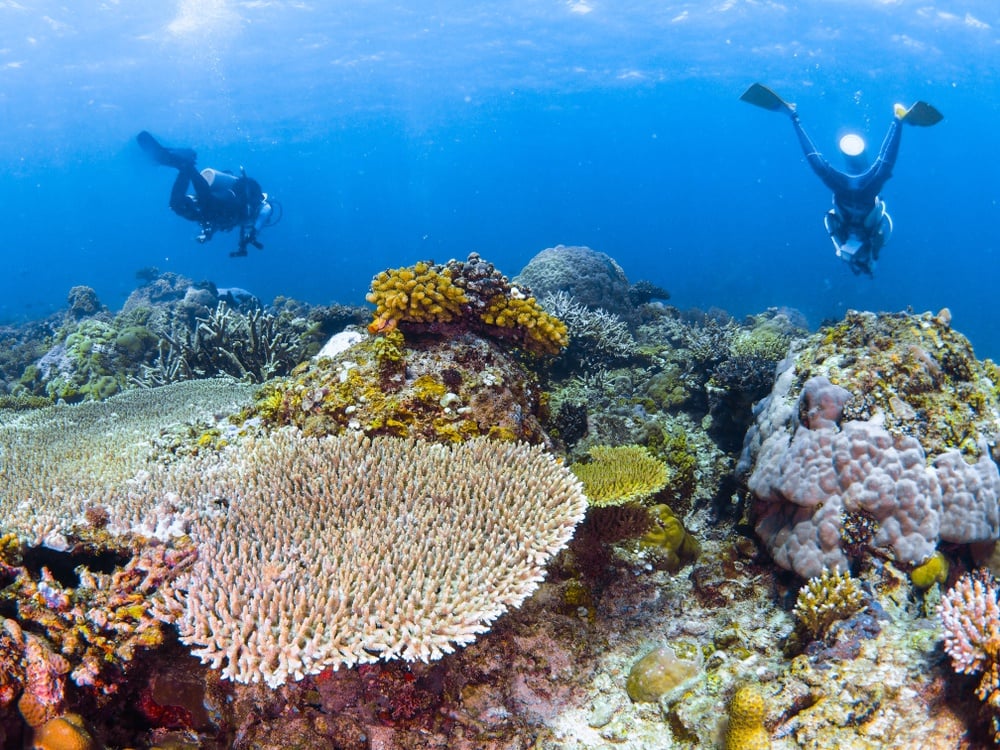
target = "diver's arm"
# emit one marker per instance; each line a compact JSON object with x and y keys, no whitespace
{"x":830,"y":176}
{"x":881,"y":170}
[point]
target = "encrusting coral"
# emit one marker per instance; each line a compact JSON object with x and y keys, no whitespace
{"x":443,"y":389}
{"x":616,"y":475}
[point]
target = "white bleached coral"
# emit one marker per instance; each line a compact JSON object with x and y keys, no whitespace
{"x":57,"y":462}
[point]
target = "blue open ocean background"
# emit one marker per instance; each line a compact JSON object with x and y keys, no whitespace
{"x":396,"y":132}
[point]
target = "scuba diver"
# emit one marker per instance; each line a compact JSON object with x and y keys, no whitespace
{"x":221,"y":201}
{"x":858,"y":223}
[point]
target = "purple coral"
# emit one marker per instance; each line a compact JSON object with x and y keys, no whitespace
{"x":811,"y":471}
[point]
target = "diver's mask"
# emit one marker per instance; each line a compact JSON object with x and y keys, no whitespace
{"x":853,"y":148}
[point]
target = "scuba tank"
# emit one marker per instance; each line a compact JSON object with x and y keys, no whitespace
{"x":854,"y":150}
{"x":219,"y":181}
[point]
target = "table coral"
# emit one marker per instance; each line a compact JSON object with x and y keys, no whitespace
{"x":621,"y":474}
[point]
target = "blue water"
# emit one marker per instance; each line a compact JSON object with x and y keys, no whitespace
{"x":394,"y":132}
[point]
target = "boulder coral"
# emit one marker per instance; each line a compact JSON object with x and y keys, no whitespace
{"x":594,"y":279}
{"x":880,"y":422}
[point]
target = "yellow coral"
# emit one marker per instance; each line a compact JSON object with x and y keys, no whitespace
{"x":668,"y":538}
{"x":421,"y":293}
{"x":931,"y":571}
{"x":616,"y":475}
{"x":746,"y":720}
{"x":66,"y":732}
{"x":825,"y":599}
{"x":543,"y":332}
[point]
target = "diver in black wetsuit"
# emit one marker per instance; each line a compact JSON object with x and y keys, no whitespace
{"x":221,"y":201}
{"x":858,"y":223}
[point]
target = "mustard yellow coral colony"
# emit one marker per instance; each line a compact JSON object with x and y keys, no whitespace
{"x":620,"y":474}
{"x":470,"y":295}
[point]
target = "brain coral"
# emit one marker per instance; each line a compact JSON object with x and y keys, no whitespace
{"x":883,"y":422}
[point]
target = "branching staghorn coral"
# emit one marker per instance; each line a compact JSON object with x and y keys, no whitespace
{"x":597,"y":338}
{"x":248,"y":346}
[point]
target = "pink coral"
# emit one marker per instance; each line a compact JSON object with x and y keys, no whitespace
{"x":971,"y":620}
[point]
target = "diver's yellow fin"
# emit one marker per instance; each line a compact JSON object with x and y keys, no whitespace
{"x":761,"y":96}
{"x":921,"y":114}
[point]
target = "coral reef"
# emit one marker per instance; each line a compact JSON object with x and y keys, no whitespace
{"x":169,"y":329}
{"x":463,"y":296}
{"x":281,"y":555}
{"x":444,"y":389}
{"x":616,"y":475}
{"x":821,"y":452}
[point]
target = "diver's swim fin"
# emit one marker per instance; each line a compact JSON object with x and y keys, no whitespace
{"x":761,"y":96}
{"x":922,"y":114}
{"x":178,"y":158}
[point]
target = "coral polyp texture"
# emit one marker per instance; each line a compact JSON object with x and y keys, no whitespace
{"x":468,"y":295}
{"x":343,"y":550}
{"x":885,"y":418}
{"x":746,"y":730}
{"x":621,"y":474}
{"x":58,"y":463}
